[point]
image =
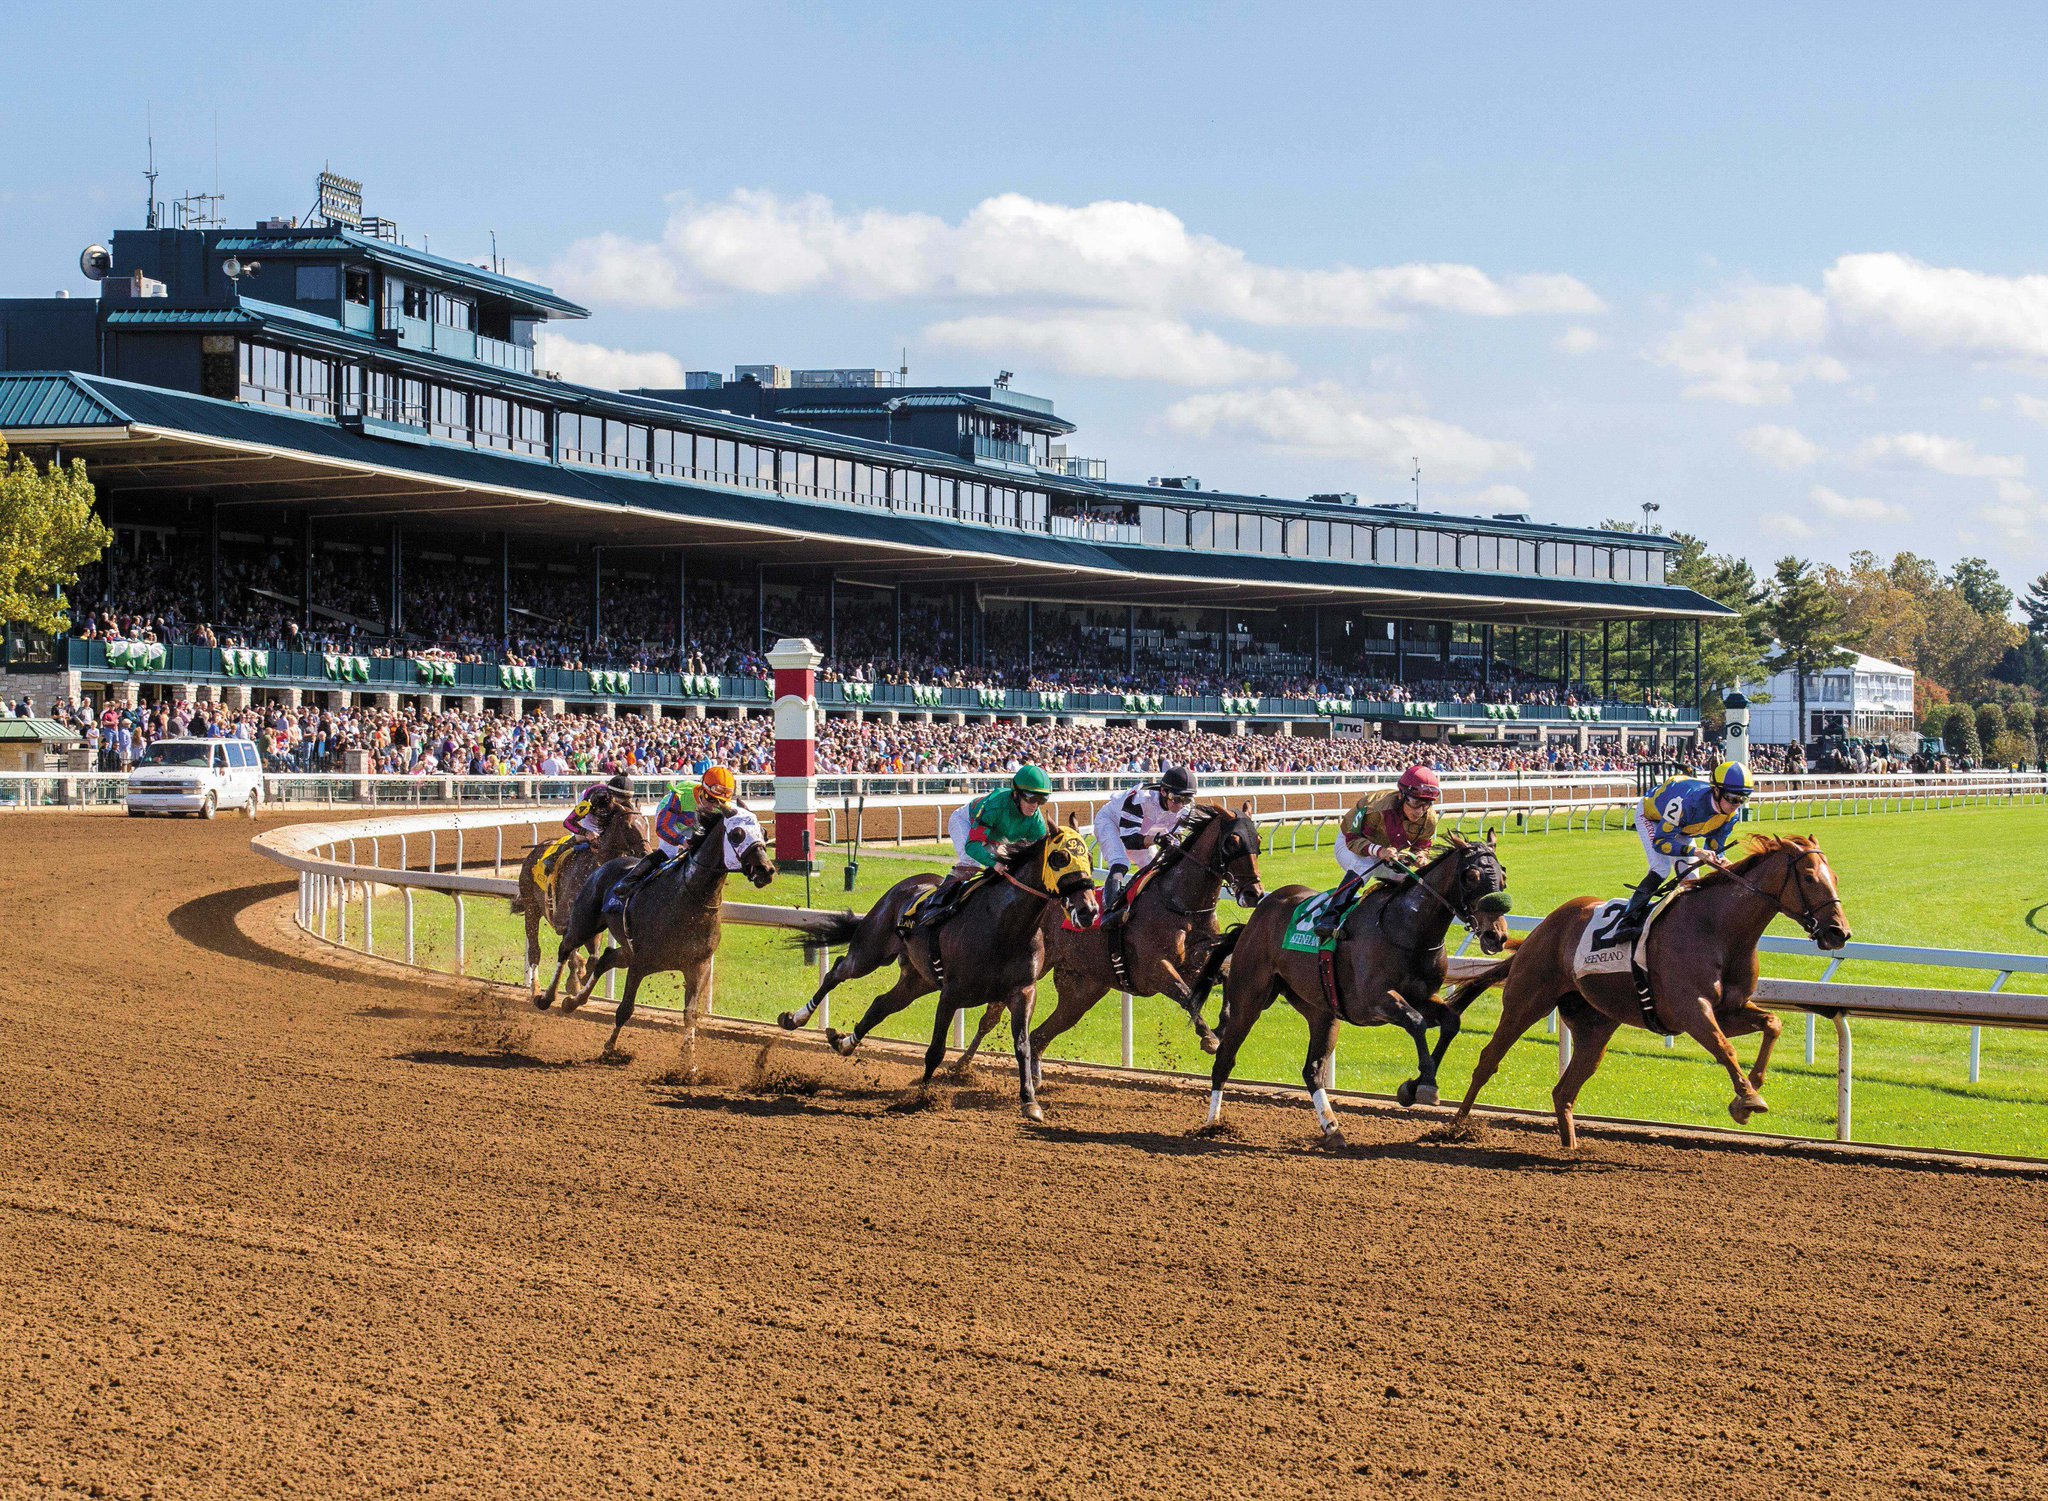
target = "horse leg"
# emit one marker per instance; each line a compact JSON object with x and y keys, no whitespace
{"x":1075,"y":998}
{"x":529,"y":909}
{"x":935,"y":1054}
{"x":625,"y":1012}
{"x":908,"y":987}
{"x":547,"y":999}
{"x":1520,"y":1009}
{"x":860,"y":958}
{"x":990,"y":1015}
{"x":1420,"y":1090}
{"x":696,"y":991}
{"x":1199,"y":987}
{"x":1322,"y":1048}
{"x":1027,"y":1072}
{"x":1700,"y":1025}
{"x":1447,"y":1027}
{"x":1590,"y":1031}
{"x":606,"y":960}
{"x":1753,"y":1018}
{"x":1241,"y":1008}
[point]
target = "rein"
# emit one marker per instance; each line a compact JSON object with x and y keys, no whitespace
{"x":1808,"y":918}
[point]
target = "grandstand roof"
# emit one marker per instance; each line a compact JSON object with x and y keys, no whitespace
{"x":163,"y":440}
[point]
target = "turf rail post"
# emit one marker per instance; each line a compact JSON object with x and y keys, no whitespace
{"x":794,"y":662}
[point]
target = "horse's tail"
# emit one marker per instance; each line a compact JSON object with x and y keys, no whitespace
{"x":1472,"y":989}
{"x":835,"y":931}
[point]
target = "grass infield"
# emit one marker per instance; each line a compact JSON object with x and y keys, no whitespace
{"x":1964,"y":878}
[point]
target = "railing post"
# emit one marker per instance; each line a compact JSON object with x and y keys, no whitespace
{"x":1844,"y":1058}
{"x":369,"y":918}
{"x":461,"y":936}
{"x":498,"y":866}
{"x":408,"y":925}
{"x":824,"y":1012}
{"x":1129,"y":1053}
{"x":960,"y":1028}
{"x":1976,"y":1053}
{"x":1811,"y":1028}
{"x":458,"y":850}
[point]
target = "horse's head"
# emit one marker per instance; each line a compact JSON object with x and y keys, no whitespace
{"x":743,"y":846}
{"x":1479,"y":893}
{"x":624,"y":830}
{"x":1065,"y":873}
{"x":1233,"y":853}
{"x":1807,"y":892}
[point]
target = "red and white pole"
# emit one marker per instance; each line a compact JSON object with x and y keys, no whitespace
{"x":795,"y":664}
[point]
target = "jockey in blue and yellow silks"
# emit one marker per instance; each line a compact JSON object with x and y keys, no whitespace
{"x":1681,"y":814}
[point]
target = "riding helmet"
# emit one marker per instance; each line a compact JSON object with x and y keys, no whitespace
{"x":717,"y":785}
{"x":622,"y":781}
{"x":1421,"y":783}
{"x":1175,"y":781}
{"x":1031,"y":779}
{"x":1732,"y":779}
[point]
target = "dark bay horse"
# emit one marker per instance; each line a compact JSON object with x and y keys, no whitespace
{"x":1702,"y":963}
{"x":1169,"y":939}
{"x":1387,"y":967}
{"x":991,"y":951}
{"x":624,"y":832}
{"x":671,"y":923}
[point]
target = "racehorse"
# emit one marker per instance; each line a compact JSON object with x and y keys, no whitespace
{"x":1168,"y":941}
{"x":1701,"y":957}
{"x":670,"y":923}
{"x":624,"y":832}
{"x":1386,"y":967}
{"x":990,"y":951}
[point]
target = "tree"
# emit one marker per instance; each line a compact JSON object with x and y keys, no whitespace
{"x":1960,"y":734}
{"x":48,"y":532}
{"x":1805,"y":622}
{"x":1981,"y":587}
{"x":1732,"y":649}
{"x":1990,"y":724}
{"x":1906,"y":611}
{"x":2034,"y":605}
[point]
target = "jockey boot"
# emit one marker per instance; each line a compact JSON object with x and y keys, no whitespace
{"x":1338,"y":900}
{"x":1639,"y":902}
{"x":632,"y":881}
{"x":1113,"y":888}
{"x":935,"y":906}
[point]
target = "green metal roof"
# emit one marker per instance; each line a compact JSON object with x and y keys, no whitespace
{"x":182,"y":317}
{"x":423,"y":263}
{"x":36,"y":400}
{"x":44,"y":731}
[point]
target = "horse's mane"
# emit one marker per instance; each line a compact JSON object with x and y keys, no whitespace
{"x":1756,"y":849}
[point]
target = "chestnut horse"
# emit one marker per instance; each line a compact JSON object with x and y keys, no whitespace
{"x":1387,"y":965}
{"x":624,"y":832}
{"x":989,"y":951}
{"x":1702,"y":963}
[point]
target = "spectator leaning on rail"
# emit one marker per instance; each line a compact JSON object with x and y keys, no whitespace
{"x":1679,"y":816}
{"x":1129,"y":828}
{"x":1378,"y":834}
{"x":1008,"y":816}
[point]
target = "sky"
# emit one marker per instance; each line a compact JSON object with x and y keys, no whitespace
{"x":1777,"y":270}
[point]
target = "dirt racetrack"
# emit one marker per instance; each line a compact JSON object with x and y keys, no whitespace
{"x":274,"y":1225}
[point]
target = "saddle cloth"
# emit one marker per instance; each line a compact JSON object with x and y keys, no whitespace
{"x":915,"y":912}
{"x":550,"y":863}
{"x":1302,"y":937}
{"x":1604,"y":948}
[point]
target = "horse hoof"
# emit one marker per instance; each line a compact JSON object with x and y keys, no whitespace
{"x":839,"y":1042}
{"x":1425,"y":1094}
{"x":1033,"y":1113}
{"x":786,"y":1021}
{"x":1334,"y":1139}
{"x":542,"y":1002}
{"x":1406,"y":1093}
{"x":1741,"y":1110}
{"x":1211,"y":1043}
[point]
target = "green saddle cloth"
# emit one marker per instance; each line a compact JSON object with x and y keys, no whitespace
{"x":1302,"y":937}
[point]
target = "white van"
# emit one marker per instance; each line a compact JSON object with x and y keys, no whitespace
{"x":196,"y":776}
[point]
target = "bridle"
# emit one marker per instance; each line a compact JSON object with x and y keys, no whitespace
{"x":1809,"y":917}
{"x":1455,"y":904}
{"x":1217,"y":865}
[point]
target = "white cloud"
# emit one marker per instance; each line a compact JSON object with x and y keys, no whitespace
{"x":1329,"y":420}
{"x":596,"y":365}
{"x":1846,"y":508}
{"x":2033,"y":408}
{"x":1578,"y":339}
{"x":1115,"y":254}
{"x":1121,"y":345}
{"x":1780,"y":447}
{"x":1713,"y":347}
{"x":1940,"y":455}
{"x":1787,"y":526}
{"x":1889,"y":298}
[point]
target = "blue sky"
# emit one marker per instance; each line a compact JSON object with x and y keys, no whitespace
{"x":1778,"y":269}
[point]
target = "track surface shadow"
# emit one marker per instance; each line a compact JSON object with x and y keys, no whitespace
{"x":213,"y":923}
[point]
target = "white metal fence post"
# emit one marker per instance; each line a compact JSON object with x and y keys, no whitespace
{"x":461,"y":936}
{"x":408,"y":926}
{"x":1130,"y":1018}
{"x":1844,"y":1059}
{"x":824,"y":968}
{"x":369,"y":918}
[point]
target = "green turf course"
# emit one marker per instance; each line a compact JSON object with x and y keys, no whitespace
{"x":1967,"y":878}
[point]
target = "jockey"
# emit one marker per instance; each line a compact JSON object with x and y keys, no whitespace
{"x":677,"y":827}
{"x":1679,"y":814}
{"x":1381,"y":829}
{"x":585,"y":820}
{"x":1128,"y":829}
{"x":1009,"y":815}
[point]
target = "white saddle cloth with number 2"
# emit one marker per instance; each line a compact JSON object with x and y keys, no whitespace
{"x":1603,"y":950}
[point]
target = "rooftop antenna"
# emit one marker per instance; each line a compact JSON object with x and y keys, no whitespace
{"x":903,"y":370}
{"x":495,"y":267}
{"x":149,"y":216}
{"x":1416,"y":477}
{"x":1650,"y":508}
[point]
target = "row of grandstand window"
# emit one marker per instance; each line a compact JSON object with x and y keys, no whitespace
{"x":271,"y":376}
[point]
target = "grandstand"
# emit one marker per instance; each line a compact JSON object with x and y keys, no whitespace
{"x":337,"y":479}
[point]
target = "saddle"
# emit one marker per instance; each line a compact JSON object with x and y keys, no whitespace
{"x":1115,"y":917}
{"x":921,"y":913}
{"x":1608,"y":943}
{"x":549,"y":865}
